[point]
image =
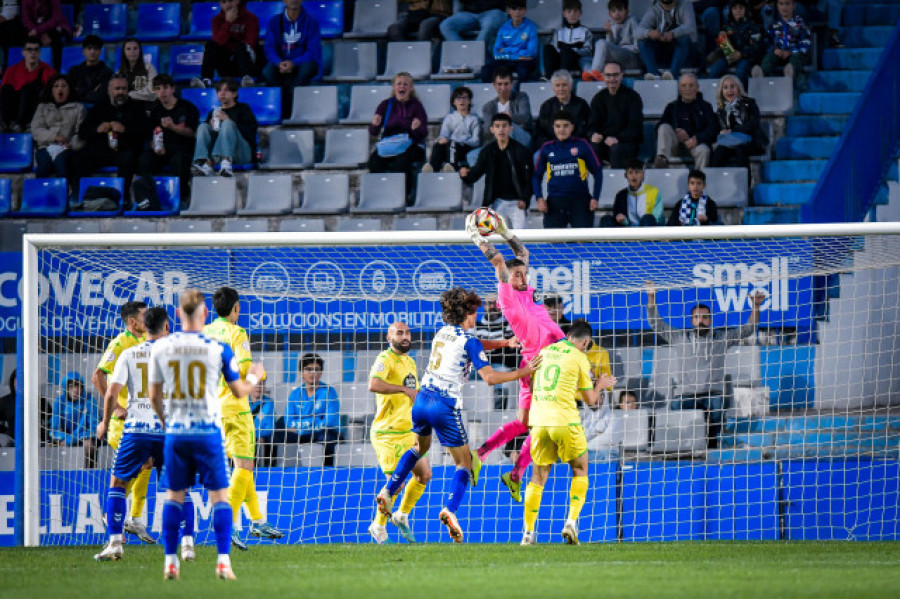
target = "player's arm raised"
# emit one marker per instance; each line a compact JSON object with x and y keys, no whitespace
{"x":496,"y":377}
{"x":376,"y":385}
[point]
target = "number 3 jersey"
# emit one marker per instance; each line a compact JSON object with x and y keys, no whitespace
{"x":188,"y":364}
{"x":453,"y":354}
{"x":132,"y":372}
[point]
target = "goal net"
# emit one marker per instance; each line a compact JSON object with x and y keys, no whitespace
{"x":784,"y":429}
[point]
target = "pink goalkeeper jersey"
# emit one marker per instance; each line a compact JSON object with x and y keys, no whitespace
{"x":530,"y":322}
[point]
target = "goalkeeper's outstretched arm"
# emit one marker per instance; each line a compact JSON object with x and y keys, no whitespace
{"x":493,"y":254}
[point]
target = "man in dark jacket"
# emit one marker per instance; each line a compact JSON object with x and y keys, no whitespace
{"x":617,"y":119}
{"x":687,"y":123}
{"x":505,"y":165}
{"x":564,"y":98}
{"x":91,"y":77}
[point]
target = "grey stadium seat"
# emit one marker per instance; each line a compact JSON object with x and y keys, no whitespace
{"x":364,"y":99}
{"x":728,"y":186}
{"x":596,"y":14}
{"x":355,"y":454}
{"x":132,"y":226}
{"x":212,"y":196}
{"x":546,"y":13}
{"x":325,"y":193}
{"x":538,"y":92}
{"x":672,"y":183}
{"x":613,"y":182}
{"x":345,"y":148}
{"x":381,"y":192}
{"x":189,"y":226}
{"x":371,"y":18}
{"x":588,"y":89}
{"x":679,"y":430}
{"x":438,"y":192}
{"x":410,"y":57}
{"x":76,"y":226}
{"x":419,"y":223}
{"x":350,"y":224}
{"x":314,"y":105}
{"x":269,"y":194}
{"x":708,"y":88}
{"x":246,"y":225}
{"x":61,"y":458}
{"x":478,"y":398}
{"x":773,"y":95}
{"x":289,"y":149}
{"x":302,"y":455}
{"x":435,"y":99}
{"x":482,"y":93}
{"x":655,"y":95}
{"x":296,"y":225}
{"x":7,"y":459}
{"x":353,"y":62}
{"x":467,"y":54}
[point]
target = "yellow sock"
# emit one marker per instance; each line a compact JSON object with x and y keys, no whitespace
{"x":237,"y":490}
{"x":129,"y":486}
{"x":252,"y":501}
{"x":532,"y":505}
{"x":381,"y":519}
{"x":577,"y":495}
{"x":139,"y":487}
{"x":414,"y":490}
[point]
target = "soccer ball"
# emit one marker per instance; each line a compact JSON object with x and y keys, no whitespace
{"x":485,"y":221}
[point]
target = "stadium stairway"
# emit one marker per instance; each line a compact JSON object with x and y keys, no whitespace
{"x":821,"y":113}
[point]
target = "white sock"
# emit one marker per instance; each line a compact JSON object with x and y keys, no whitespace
{"x":260,"y":521}
{"x":115,"y":538}
{"x":171,"y":560}
{"x":224,"y":560}
{"x":187,"y":540}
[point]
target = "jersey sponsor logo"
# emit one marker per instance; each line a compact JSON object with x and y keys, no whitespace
{"x":410,"y":381}
{"x":735,"y":283}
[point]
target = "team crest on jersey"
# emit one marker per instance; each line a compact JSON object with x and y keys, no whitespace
{"x":379,"y":367}
{"x":574,"y":151}
{"x":245,"y":346}
{"x":110,"y":356}
{"x":410,"y":381}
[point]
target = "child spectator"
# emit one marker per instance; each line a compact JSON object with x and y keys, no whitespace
{"x":572,"y":44}
{"x":638,"y":205}
{"x":745,"y":37}
{"x":232,"y":50}
{"x":75,"y":413}
{"x":313,"y":412}
{"x":91,"y":77}
{"x":628,"y":400}
{"x":460,"y":134}
{"x":21,"y":88}
{"x":620,"y":44}
{"x":517,"y":45}
{"x":695,"y":208}
{"x":55,"y":128}
{"x":294,"y":51}
{"x":667,"y":33}
{"x":741,"y":135}
{"x":228,"y":134}
{"x":140,"y":74}
{"x":790,"y":41}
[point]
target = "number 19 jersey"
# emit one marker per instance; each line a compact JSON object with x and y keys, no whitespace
{"x":564,"y":372}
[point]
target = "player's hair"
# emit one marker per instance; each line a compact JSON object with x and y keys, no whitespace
{"x":613,"y":4}
{"x":514,"y":262}
{"x":571,"y":4}
{"x":552,"y":300}
{"x":308,"y":359}
{"x":32,"y":40}
{"x":696,"y":173}
{"x":190,"y":300}
{"x":626,"y":393}
{"x":130,"y":310}
{"x":155,"y":320}
{"x":457,"y":304}
{"x":459,"y":92}
{"x":501,"y":116}
{"x":163,"y":80}
{"x":224,"y":300}
{"x":580,"y":329}
{"x":615,"y":62}
{"x":700,"y":307}
{"x":515,"y":3}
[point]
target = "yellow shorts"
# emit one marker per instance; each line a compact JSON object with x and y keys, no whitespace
{"x":390,"y":447}
{"x":114,"y":431}
{"x":552,"y":443}
{"x":240,"y":435}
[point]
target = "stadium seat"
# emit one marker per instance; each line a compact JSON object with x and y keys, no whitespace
{"x":479,"y":397}
{"x":325,"y":193}
{"x":264,"y":11}
{"x":113,"y":182}
{"x":265,"y":102}
{"x":185,"y":61}
{"x":381,"y":192}
{"x":302,"y":455}
{"x":466,"y":54}
{"x":329,"y":14}
{"x":159,"y":22}
{"x":596,"y":14}
{"x":109,"y":21}
{"x":435,"y":99}
{"x":15,"y":152}
{"x":5,"y":197}
{"x":204,"y":98}
{"x":353,"y":62}
{"x":613,"y":182}
{"x":655,"y":95}
{"x":345,"y":148}
{"x":438,"y":192}
{"x":151,"y":56}
{"x":189,"y":226}
{"x":419,"y":223}
{"x":538,"y":92}
{"x":168,"y":189}
{"x":351,"y":224}
{"x":671,"y":182}
{"x":588,"y":89}
{"x":371,"y":18}
{"x":289,"y":149}
{"x":355,"y":454}
{"x":632,"y":428}
{"x":246,"y":225}
{"x":303,"y":225}
{"x":212,"y":196}
{"x":773,"y":95}
{"x":202,"y":14}
{"x":679,"y":430}
{"x":482,"y":93}
{"x":269,"y":194}
{"x":546,"y":13}
{"x":43,"y":198}
{"x":410,"y":57}
{"x":72,"y":55}
{"x":61,"y":458}
{"x":364,"y":99}
{"x":708,"y":88}
{"x":728,"y":186}
{"x":7,"y":459}
{"x":314,"y":105}
{"x":132,"y":226}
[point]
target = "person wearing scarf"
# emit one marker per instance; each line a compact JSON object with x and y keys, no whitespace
{"x":55,"y":127}
{"x":695,"y":208}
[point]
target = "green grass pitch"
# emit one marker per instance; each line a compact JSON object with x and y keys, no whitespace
{"x":549,"y":571}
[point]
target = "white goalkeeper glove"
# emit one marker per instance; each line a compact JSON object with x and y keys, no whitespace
{"x":500,"y":227}
{"x":472,"y":230}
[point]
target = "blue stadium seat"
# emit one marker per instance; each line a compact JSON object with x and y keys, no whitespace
{"x":43,"y":197}
{"x":114,"y":182}
{"x":69,"y":13}
{"x":264,"y":11}
{"x":329,"y":14}
{"x":185,"y":61}
{"x":159,"y":22}
{"x":151,"y":55}
{"x":202,"y":14}
{"x":15,"y":55}
{"x":265,"y":102}
{"x":5,"y":197}
{"x":109,"y":21}
{"x":169,"y":191}
{"x":205,"y":99}
{"x":15,"y":152}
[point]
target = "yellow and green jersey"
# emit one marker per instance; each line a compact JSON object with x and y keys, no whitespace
{"x":563,"y":374}
{"x":393,"y":412}
{"x":234,"y":337}
{"x":111,"y":354}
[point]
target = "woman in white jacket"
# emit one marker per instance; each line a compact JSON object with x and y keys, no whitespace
{"x":54,"y":127}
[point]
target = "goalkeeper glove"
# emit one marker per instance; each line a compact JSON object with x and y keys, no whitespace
{"x":501,"y":229}
{"x":472,"y":230}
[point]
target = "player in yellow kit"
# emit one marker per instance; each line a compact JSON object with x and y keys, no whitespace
{"x":237,"y":419}
{"x":393,"y":380}
{"x":132,"y":314}
{"x":556,"y":431}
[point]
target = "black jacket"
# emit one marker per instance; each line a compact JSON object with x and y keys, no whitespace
{"x":620,"y":116}
{"x":697,"y":118}
{"x":132,"y":115}
{"x":745,"y":119}
{"x":243,"y":117}
{"x":577,"y":107}
{"x":491,"y":158}
{"x":91,"y":83}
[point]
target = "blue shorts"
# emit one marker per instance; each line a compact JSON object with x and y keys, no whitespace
{"x":188,"y":456}
{"x":133,"y":451}
{"x":434,"y":411}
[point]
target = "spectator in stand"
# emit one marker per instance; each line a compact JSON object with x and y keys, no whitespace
{"x":505,"y":165}
{"x":616,"y":126}
{"x":516,"y":47}
{"x":563,"y":99}
{"x":510,"y":102}
{"x":8,"y":414}
{"x":478,"y":18}
{"x":20,"y":89}
{"x":556,"y":309}
{"x":745,"y":38}
{"x":232,"y":50}
{"x":689,"y":123}
{"x":628,"y":400}
{"x":313,"y":412}
{"x":620,"y":45}
{"x":742,"y":134}
{"x":140,"y":73}
{"x":790,"y":41}
{"x":114,"y":133}
{"x":263,"y":409}
{"x":75,"y":414}
{"x":227,"y":135}
{"x":572,"y":44}
{"x":401,"y":114}
{"x":55,"y":128}
{"x":667,"y":34}
{"x":638,"y":204}
{"x":12,"y":32}
{"x":293,"y":50}
{"x":91,"y":77}
{"x":695,"y":208}
{"x":44,"y":20}
{"x":420,"y":21}
{"x":460,"y":134}
{"x":176,"y":120}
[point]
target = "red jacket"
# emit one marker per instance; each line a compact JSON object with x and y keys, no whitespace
{"x":18,"y":76}
{"x":243,"y":31}
{"x":44,"y":16}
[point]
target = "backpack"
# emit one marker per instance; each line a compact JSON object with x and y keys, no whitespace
{"x":99,"y":198}
{"x":143,"y":191}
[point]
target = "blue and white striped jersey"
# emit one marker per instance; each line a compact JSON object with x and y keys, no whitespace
{"x":453,"y":354}
{"x":188,"y":364}
{"x":132,"y":371}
